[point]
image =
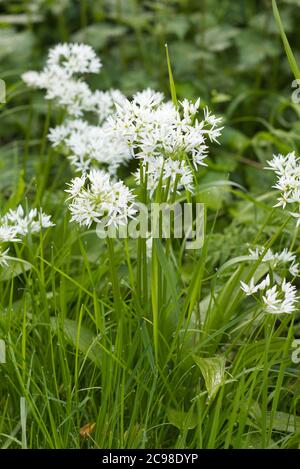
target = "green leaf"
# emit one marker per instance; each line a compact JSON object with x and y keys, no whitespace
{"x":283,"y":422}
{"x":15,"y":268}
{"x":213,"y":371}
{"x":287,"y":47}
{"x":99,"y":35}
{"x":219,"y":38}
{"x":87,"y":342}
{"x":182,"y":420}
{"x":172,"y":84}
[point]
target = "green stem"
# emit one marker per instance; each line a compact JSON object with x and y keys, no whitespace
{"x":118,"y":306}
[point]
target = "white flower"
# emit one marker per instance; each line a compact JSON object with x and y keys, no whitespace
{"x":287,"y":170}
{"x":271,"y":300}
{"x":60,"y":78}
{"x":251,"y":289}
{"x":280,"y":300}
{"x":99,"y":199}
{"x":22,"y":224}
{"x":88,"y":145}
{"x":3,"y":257}
{"x":276,"y":259}
{"x":74,"y":58}
{"x":154,"y":128}
{"x":104,"y":102}
{"x":8,"y":234}
{"x":264,"y":283}
{"x":294,"y":269}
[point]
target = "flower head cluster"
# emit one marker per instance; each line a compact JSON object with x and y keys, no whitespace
{"x":87,"y":145}
{"x":287,"y":170}
{"x":16,"y":224}
{"x":157,"y":129}
{"x":277,"y":259}
{"x":280,"y":299}
{"x":60,"y":77}
{"x":277,"y":296}
{"x":153,"y":127}
{"x":61,"y":80}
{"x":97,"y":198}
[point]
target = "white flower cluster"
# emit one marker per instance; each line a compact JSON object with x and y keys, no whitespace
{"x":87,"y":145}
{"x":287,"y":169}
{"x":281,"y":296}
{"x":171,"y":142}
{"x":97,"y":198}
{"x":277,"y":259}
{"x":155,"y":129}
{"x":281,"y":299}
{"x":16,"y":224}
{"x":60,"y":77}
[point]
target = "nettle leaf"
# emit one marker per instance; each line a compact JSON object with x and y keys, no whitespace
{"x":219,"y":38}
{"x":84,"y":339}
{"x":213,"y":371}
{"x":254,"y":48}
{"x":178,"y":26}
{"x":99,"y":35}
{"x":182,"y":420}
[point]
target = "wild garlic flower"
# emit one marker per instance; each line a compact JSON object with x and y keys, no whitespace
{"x":74,"y":58}
{"x":60,"y":78}
{"x":95,"y":197}
{"x":87,"y":145}
{"x":251,"y":289}
{"x":16,"y":224}
{"x":104,"y":103}
{"x":280,"y":296}
{"x":156,"y":128}
{"x":277,"y":259}
{"x":280,"y":299}
{"x":276,"y":299}
{"x":61,"y":81}
{"x":287,"y":170}
{"x":8,"y":234}
{"x":22,"y":223}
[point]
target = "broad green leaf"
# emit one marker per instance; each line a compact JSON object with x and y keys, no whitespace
{"x":100,"y":35}
{"x":15,"y":268}
{"x":88,"y":342}
{"x":213,"y":371}
{"x":284,"y":422}
{"x":182,"y":420}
